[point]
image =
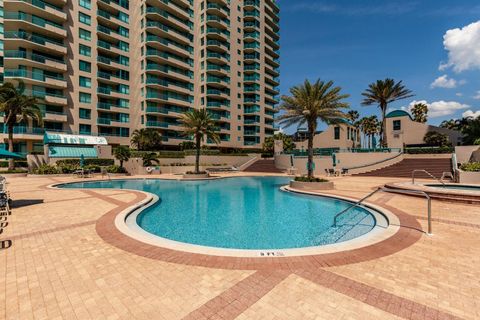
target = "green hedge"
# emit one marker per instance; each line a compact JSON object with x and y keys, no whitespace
{"x":87,"y":162}
{"x":13,"y":171}
{"x":471,"y":167}
{"x":429,"y":150}
{"x":18,"y":163}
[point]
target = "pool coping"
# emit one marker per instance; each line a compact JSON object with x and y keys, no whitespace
{"x":437,"y":193}
{"x":126,"y":223}
{"x":407,"y":234}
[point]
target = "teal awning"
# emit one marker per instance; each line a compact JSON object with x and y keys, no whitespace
{"x":5,"y":154}
{"x":60,"y":138}
{"x":72,"y":152}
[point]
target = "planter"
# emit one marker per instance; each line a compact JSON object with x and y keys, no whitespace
{"x":311,"y":185}
{"x":13,"y":175}
{"x":196,"y":176}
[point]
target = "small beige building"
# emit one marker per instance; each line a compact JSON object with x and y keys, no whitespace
{"x":402,"y":131}
{"x":342,"y":136}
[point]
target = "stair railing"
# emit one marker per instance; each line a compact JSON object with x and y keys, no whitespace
{"x":428,"y":173}
{"x":385,"y":189}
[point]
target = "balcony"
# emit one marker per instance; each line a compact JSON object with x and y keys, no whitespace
{"x":30,"y":41}
{"x":38,"y":7}
{"x":18,"y":57}
{"x":218,"y":9}
{"x":33,"y":23}
{"x":167,"y":57}
{"x":37,"y":77}
{"x":169,"y":32}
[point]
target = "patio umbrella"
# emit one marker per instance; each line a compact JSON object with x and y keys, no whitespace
{"x":5,"y":154}
{"x":82,"y":161}
{"x":334,"y":159}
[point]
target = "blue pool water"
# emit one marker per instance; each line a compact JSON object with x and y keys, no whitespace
{"x":242,"y":213}
{"x":454,"y":187}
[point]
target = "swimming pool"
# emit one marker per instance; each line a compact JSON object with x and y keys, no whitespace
{"x":242,"y":213}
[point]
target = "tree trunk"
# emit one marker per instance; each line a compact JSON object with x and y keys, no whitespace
{"x":121,"y":163}
{"x":197,"y":156}
{"x":311,"y":133}
{"x":11,"y":163}
{"x":369,"y":138}
{"x":384,"y":127}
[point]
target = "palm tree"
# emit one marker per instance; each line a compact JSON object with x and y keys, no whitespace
{"x":419,"y":112}
{"x":146,"y":139}
{"x":382,"y":93}
{"x":17,"y":107}
{"x":122,"y":153}
{"x":149,"y":158}
{"x":310,"y":103}
{"x":199,"y":124}
{"x":353,"y":116}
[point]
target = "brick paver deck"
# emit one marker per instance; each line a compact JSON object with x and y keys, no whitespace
{"x":69,"y":262}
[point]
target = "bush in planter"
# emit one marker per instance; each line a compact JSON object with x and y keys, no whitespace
{"x":200,"y":172}
{"x":14,"y":171}
{"x":307,"y":179}
{"x":471,"y":167}
{"x":116,"y":169}
{"x":47,"y":169}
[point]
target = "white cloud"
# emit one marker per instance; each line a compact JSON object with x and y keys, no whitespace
{"x":477,"y":96}
{"x":459,"y":94}
{"x":470,"y":113}
{"x":444,"y":82}
{"x":439,"y":108}
{"x":463,"y":46}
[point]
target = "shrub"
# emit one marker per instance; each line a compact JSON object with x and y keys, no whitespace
{"x":307,"y":179}
{"x":13,"y":171}
{"x":116,"y":169}
{"x":76,"y":162}
{"x":429,"y":150}
{"x":471,"y":167}
{"x":47,"y":169}
{"x":18,"y":163}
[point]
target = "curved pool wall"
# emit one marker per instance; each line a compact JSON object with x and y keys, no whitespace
{"x":455,"y":187}
{"x":237,"y":213}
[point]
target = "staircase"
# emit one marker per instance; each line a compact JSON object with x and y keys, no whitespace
{"x":404,"y":168}
{"x":263,"y":166}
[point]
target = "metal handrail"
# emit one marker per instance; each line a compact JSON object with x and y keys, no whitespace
{"x":385,"y":189}
{"x":428,"y":173}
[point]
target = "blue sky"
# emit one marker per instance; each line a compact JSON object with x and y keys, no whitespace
{"x":356,"y":42}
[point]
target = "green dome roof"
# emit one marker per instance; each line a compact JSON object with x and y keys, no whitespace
{"x":398,"y":114}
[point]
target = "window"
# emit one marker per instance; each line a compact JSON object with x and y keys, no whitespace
{"x":85,"y":50}
{"x":85,"y":66}
{"x":85,"y":82}
{"x":85,"y":129}
{"x":84,"y":18}
{"x":85,"y":34}
{"x":85,"y":4}
{"x":336,"y":133}
{"x":397,"y":125}
{"x":85,"y":113}
{"x":85,"y":97}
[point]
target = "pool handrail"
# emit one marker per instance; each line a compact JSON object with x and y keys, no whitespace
{"x":385,"y":189}
{"x":428,"y":173}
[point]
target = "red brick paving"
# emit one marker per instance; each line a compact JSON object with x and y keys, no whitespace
{"x":234,"y":301}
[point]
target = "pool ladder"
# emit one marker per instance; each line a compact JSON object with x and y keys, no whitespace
{"x":444,"y":175}
{"x":385,"y":189}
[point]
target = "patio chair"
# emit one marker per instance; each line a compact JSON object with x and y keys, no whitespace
{"x":344,"y":171}
{"x":327,"y":173}
{"x":4,"y":203}
{"x":331,"y":172}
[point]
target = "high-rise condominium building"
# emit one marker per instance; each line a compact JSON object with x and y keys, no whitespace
{"x":108,"y":67}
